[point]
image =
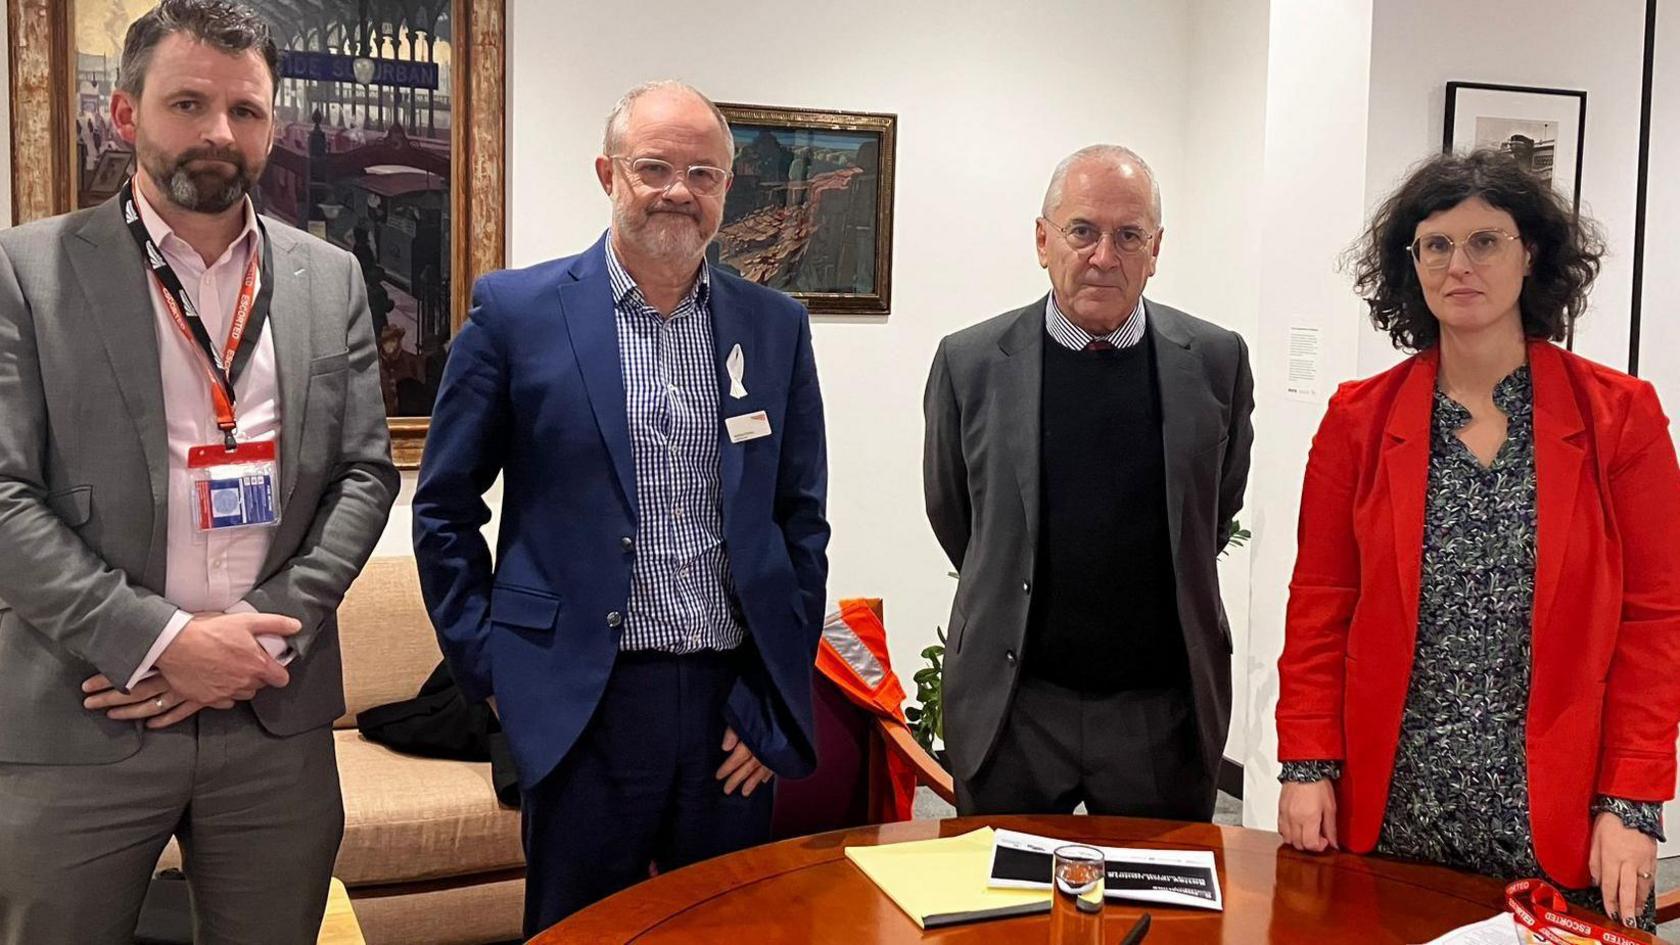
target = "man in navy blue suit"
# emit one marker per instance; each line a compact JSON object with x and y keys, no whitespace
{"x":648,"y":627}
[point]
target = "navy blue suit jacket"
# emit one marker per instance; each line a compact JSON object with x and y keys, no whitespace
{"x":534,"y":391}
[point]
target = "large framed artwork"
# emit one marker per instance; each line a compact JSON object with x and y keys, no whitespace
{"x":389,"y":144}
{"x":810,"y":210}
{"x":1544,"y":128}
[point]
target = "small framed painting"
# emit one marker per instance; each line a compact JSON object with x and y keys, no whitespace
{"x":810,"y":208}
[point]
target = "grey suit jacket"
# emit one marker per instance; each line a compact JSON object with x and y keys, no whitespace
{"x":981,"y":477}
{"x":84,"y":472}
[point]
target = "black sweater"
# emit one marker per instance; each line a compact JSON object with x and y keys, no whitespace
{"x":1104,"y":614}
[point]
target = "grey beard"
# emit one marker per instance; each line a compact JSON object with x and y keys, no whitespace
{"x":670,"y":243}
{"x":185,"y":192}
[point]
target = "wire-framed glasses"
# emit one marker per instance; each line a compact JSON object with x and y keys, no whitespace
{"x":1435,"y":250}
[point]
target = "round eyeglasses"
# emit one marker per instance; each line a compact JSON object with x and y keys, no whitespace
{"x":1435,"y":251}
{"x":702,"y":180}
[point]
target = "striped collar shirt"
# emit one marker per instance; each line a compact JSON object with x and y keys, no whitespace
{"x":1074,"y":338}
{"x":682,"y":595}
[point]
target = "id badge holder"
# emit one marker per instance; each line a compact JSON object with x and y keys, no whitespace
{"x":234,"y":489}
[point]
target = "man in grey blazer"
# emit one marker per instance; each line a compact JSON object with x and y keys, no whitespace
{"x":169,"y":657}
{"x":1085,"y":456}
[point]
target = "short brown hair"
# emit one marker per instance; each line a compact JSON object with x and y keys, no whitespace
{"x":1566,"y":250}
{"x":229,"y":26}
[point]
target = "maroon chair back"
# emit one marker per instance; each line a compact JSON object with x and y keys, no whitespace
{"x":836,"y":795}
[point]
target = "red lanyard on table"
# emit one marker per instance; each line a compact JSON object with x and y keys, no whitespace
{"x":1541,"y":909}
{"x":223,"y":366}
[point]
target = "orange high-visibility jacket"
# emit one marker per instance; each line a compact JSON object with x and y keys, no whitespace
{"x":853,"y":655}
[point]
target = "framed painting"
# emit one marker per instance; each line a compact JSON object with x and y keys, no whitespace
{"x":810,"y":210}
{"x":389,"y":144}
{"x":1545,"y":129}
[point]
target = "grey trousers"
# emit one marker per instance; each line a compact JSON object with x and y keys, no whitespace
{"x":1129,"y":754}
{"x":259,"y":819}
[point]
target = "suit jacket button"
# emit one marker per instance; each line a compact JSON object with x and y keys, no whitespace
{"x":1026,"y":586}
{"x":615,"y":619}
{"x":625,"y":543}
{"x":1009,"y":657}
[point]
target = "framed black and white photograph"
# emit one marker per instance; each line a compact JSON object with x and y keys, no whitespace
{"x":1545,"y":129}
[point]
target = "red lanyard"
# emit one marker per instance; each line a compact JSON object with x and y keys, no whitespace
{"x":221,"y":386}
{"x":222,"y":367}
{"x":1541,"y":909}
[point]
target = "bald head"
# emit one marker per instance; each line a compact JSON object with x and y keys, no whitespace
{"x":1102,"y":157}
{"x":663,"y":94}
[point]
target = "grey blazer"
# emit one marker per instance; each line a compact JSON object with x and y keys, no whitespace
{"x":981,"y":476}
{"x":84,"y":472}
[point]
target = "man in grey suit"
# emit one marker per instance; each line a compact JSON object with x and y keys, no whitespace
{"x":180,"y":516}
{"x":1085,"y":456}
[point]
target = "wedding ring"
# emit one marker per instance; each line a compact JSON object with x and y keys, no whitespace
{"x":1644,"y":875}
{"x":159,"y":701}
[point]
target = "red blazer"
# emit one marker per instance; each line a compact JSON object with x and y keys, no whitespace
{"x":1605,"y":692}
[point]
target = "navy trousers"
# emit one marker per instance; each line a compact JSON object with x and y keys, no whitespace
{"x":638,"y":788}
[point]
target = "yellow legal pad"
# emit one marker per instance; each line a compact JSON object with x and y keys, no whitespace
{"x":943,"y":881}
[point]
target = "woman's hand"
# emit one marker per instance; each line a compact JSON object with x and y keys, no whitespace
{"x":1623,"y":863}
{"x":1307,"y":815}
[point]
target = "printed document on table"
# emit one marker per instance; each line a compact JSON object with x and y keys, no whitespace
{"x":1169,"y":877}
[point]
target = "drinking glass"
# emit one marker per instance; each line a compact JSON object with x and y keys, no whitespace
{"x":1076,"y":902}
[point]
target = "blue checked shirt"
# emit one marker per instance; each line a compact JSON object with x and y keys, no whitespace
{"x":682,"y":596}
{"x":1072,"y":337}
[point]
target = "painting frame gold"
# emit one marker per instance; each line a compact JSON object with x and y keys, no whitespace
{"x":885,"y":126}
{"x":43,"y":156}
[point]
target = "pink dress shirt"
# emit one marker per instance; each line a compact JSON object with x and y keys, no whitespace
{"x":208,"y":571}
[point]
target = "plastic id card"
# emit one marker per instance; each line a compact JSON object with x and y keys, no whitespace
{"x":237,"y":488}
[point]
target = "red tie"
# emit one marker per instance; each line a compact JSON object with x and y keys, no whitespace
{"x":1100,"y":344}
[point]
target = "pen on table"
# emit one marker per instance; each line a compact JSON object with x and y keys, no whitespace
{"x":1139,"y":929}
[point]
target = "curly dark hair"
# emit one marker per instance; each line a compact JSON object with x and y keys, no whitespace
{"x":227,"y":25}
{"x":1565,"y":250}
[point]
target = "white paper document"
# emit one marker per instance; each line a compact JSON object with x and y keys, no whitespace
{"x":1499,"y":930}
{"x":1170,"y":877}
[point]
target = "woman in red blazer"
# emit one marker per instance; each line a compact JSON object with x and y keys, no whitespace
{"x":1481,"y":664}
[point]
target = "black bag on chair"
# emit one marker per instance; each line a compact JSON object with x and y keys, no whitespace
{"x":438,"y":723}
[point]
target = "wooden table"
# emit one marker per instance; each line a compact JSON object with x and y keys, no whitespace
{"x":339,"y":925}
{"x":806,"y":891}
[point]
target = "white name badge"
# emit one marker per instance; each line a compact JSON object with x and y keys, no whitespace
{"x":748,"y":426}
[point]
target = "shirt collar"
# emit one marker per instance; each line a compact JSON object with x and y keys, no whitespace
{"x":164,"y":238}
{"x":1072,"y":337}
{"x":624,"y":285}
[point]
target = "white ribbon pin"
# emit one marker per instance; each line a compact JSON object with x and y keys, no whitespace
{"x":736,"y":365}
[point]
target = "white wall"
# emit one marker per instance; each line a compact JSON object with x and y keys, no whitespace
{"x":1214,"y":228}
{"x":989,"y":94}
{"x":1312,"y":199}
{"x":1659,"y":343}
{"x":1420,"y":45}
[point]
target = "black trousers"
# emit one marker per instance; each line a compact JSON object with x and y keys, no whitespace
{"x":638,"y":788}
{"x":1131,"y":754}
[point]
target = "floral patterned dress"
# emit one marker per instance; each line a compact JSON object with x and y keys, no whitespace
{"x":1459,"y":791}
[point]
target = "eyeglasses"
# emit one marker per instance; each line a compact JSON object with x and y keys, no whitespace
{"x":1081,"y":236}
{"x":1435,"y":251}
{"x":702,"y":180}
